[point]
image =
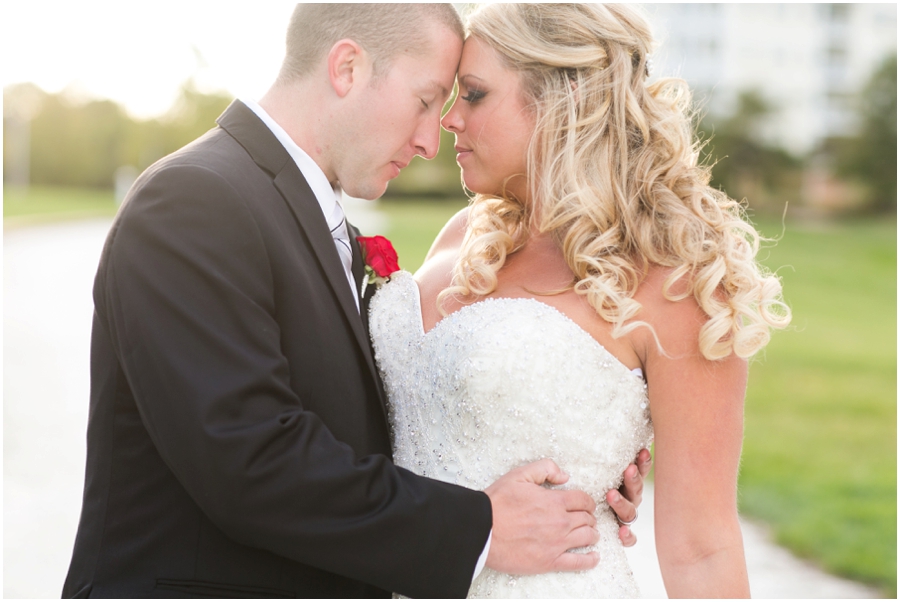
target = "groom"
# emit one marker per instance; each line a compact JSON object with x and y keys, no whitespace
{"x":237,"y":441}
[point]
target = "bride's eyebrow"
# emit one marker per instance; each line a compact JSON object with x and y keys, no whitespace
{"x":464,"y":80}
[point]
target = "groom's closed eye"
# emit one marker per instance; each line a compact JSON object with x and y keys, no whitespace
{"x":434,"y":91}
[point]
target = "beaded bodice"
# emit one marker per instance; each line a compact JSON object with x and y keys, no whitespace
{"x":501,"y":383}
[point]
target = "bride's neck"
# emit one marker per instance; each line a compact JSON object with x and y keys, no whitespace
{"x":539,"y":262}
{"x":542,"y":245}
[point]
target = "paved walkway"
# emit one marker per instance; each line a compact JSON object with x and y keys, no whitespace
{"x":48,"y":274}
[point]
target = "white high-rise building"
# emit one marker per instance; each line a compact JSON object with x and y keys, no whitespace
{"x":808,"y":61}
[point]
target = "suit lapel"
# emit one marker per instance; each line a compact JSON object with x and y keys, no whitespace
{"x":269,"y":154}
{"x":306,"y":209}
{"x":359,"y":273}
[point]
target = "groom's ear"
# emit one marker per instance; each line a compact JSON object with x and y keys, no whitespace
{"x":347,"y":65}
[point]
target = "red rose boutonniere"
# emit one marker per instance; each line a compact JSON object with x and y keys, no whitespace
{"x":380,"y":259}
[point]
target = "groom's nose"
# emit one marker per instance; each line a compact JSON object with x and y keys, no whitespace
{"x":427,"y":138}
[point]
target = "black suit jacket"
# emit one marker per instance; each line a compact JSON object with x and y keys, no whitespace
{"x":237,"y":440}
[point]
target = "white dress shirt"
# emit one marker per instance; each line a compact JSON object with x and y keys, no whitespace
{"x":327,"y":195}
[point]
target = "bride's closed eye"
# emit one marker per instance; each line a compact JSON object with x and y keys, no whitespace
{"x":473,"y":96}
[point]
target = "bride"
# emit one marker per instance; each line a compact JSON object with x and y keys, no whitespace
{"x":595,"y":281}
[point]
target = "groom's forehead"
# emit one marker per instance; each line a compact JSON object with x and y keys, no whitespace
{"x":427,"y":73}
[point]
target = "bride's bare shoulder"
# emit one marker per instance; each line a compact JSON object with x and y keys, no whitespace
{"x":672,"y":311}
{"x":451,"y":235}
{"x":436,"y":272}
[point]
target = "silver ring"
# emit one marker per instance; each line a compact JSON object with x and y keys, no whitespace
{"x":630,"y":522}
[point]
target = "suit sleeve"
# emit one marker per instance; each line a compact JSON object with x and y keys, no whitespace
{"x":187,"y":293}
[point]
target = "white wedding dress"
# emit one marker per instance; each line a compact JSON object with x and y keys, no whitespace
{"x":501,"y":383}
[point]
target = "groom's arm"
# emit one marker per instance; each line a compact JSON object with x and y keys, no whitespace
{"x":187,"y":296}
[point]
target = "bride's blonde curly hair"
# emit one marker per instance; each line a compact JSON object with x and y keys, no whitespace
{"x":613,"y":168}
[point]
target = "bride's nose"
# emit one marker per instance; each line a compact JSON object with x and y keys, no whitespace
{"x":453,"y":121}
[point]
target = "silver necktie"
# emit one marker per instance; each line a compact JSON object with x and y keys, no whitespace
{"x":338,"y":225}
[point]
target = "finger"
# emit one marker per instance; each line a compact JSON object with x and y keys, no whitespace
{"x":627,"y":536}
{"x":571,"y":561}
{"x":633,"y":485}
{"x":543,"y":471}
{"x":578,"y":501}
{"x":582,"y":537}
{"x":644,"y":462}
{"x":555,"y":474}
{"x":578,"y":520}
{"x":624,"y":509}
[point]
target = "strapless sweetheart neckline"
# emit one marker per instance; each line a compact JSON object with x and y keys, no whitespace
{"x":473,"y":307}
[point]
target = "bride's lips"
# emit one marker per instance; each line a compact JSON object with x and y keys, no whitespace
{"x":462,"y":152}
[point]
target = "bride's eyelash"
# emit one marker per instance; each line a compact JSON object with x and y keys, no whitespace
{"x":473,"y":96}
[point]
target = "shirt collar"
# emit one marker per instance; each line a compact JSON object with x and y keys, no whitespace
{"x":326,"y":194}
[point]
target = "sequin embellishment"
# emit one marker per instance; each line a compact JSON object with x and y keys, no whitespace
{"x":501,"y":383}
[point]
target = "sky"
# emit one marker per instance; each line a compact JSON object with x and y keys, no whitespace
{"x":139,"y":53}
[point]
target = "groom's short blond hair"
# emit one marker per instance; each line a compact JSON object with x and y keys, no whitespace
{"x":383,"y":30}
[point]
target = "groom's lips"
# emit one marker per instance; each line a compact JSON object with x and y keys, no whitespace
{"x":398,"y":166}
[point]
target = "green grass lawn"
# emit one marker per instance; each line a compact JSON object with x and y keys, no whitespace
{"x":820,"y":450}
{"x":36,"y":204}
{"x":414,"y":225}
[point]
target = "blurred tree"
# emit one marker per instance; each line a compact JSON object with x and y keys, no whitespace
{"x":72,"y":142}
{"x":871,"y":157}
{"x":193,"y":114}
{"x":744,"y":165}
{"x":21,"y":102}
{"x":77,"y":144}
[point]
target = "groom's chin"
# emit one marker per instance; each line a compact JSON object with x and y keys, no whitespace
{"x":368,"y":191}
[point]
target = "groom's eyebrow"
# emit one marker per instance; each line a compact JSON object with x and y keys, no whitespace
{"x":439,"y":88}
